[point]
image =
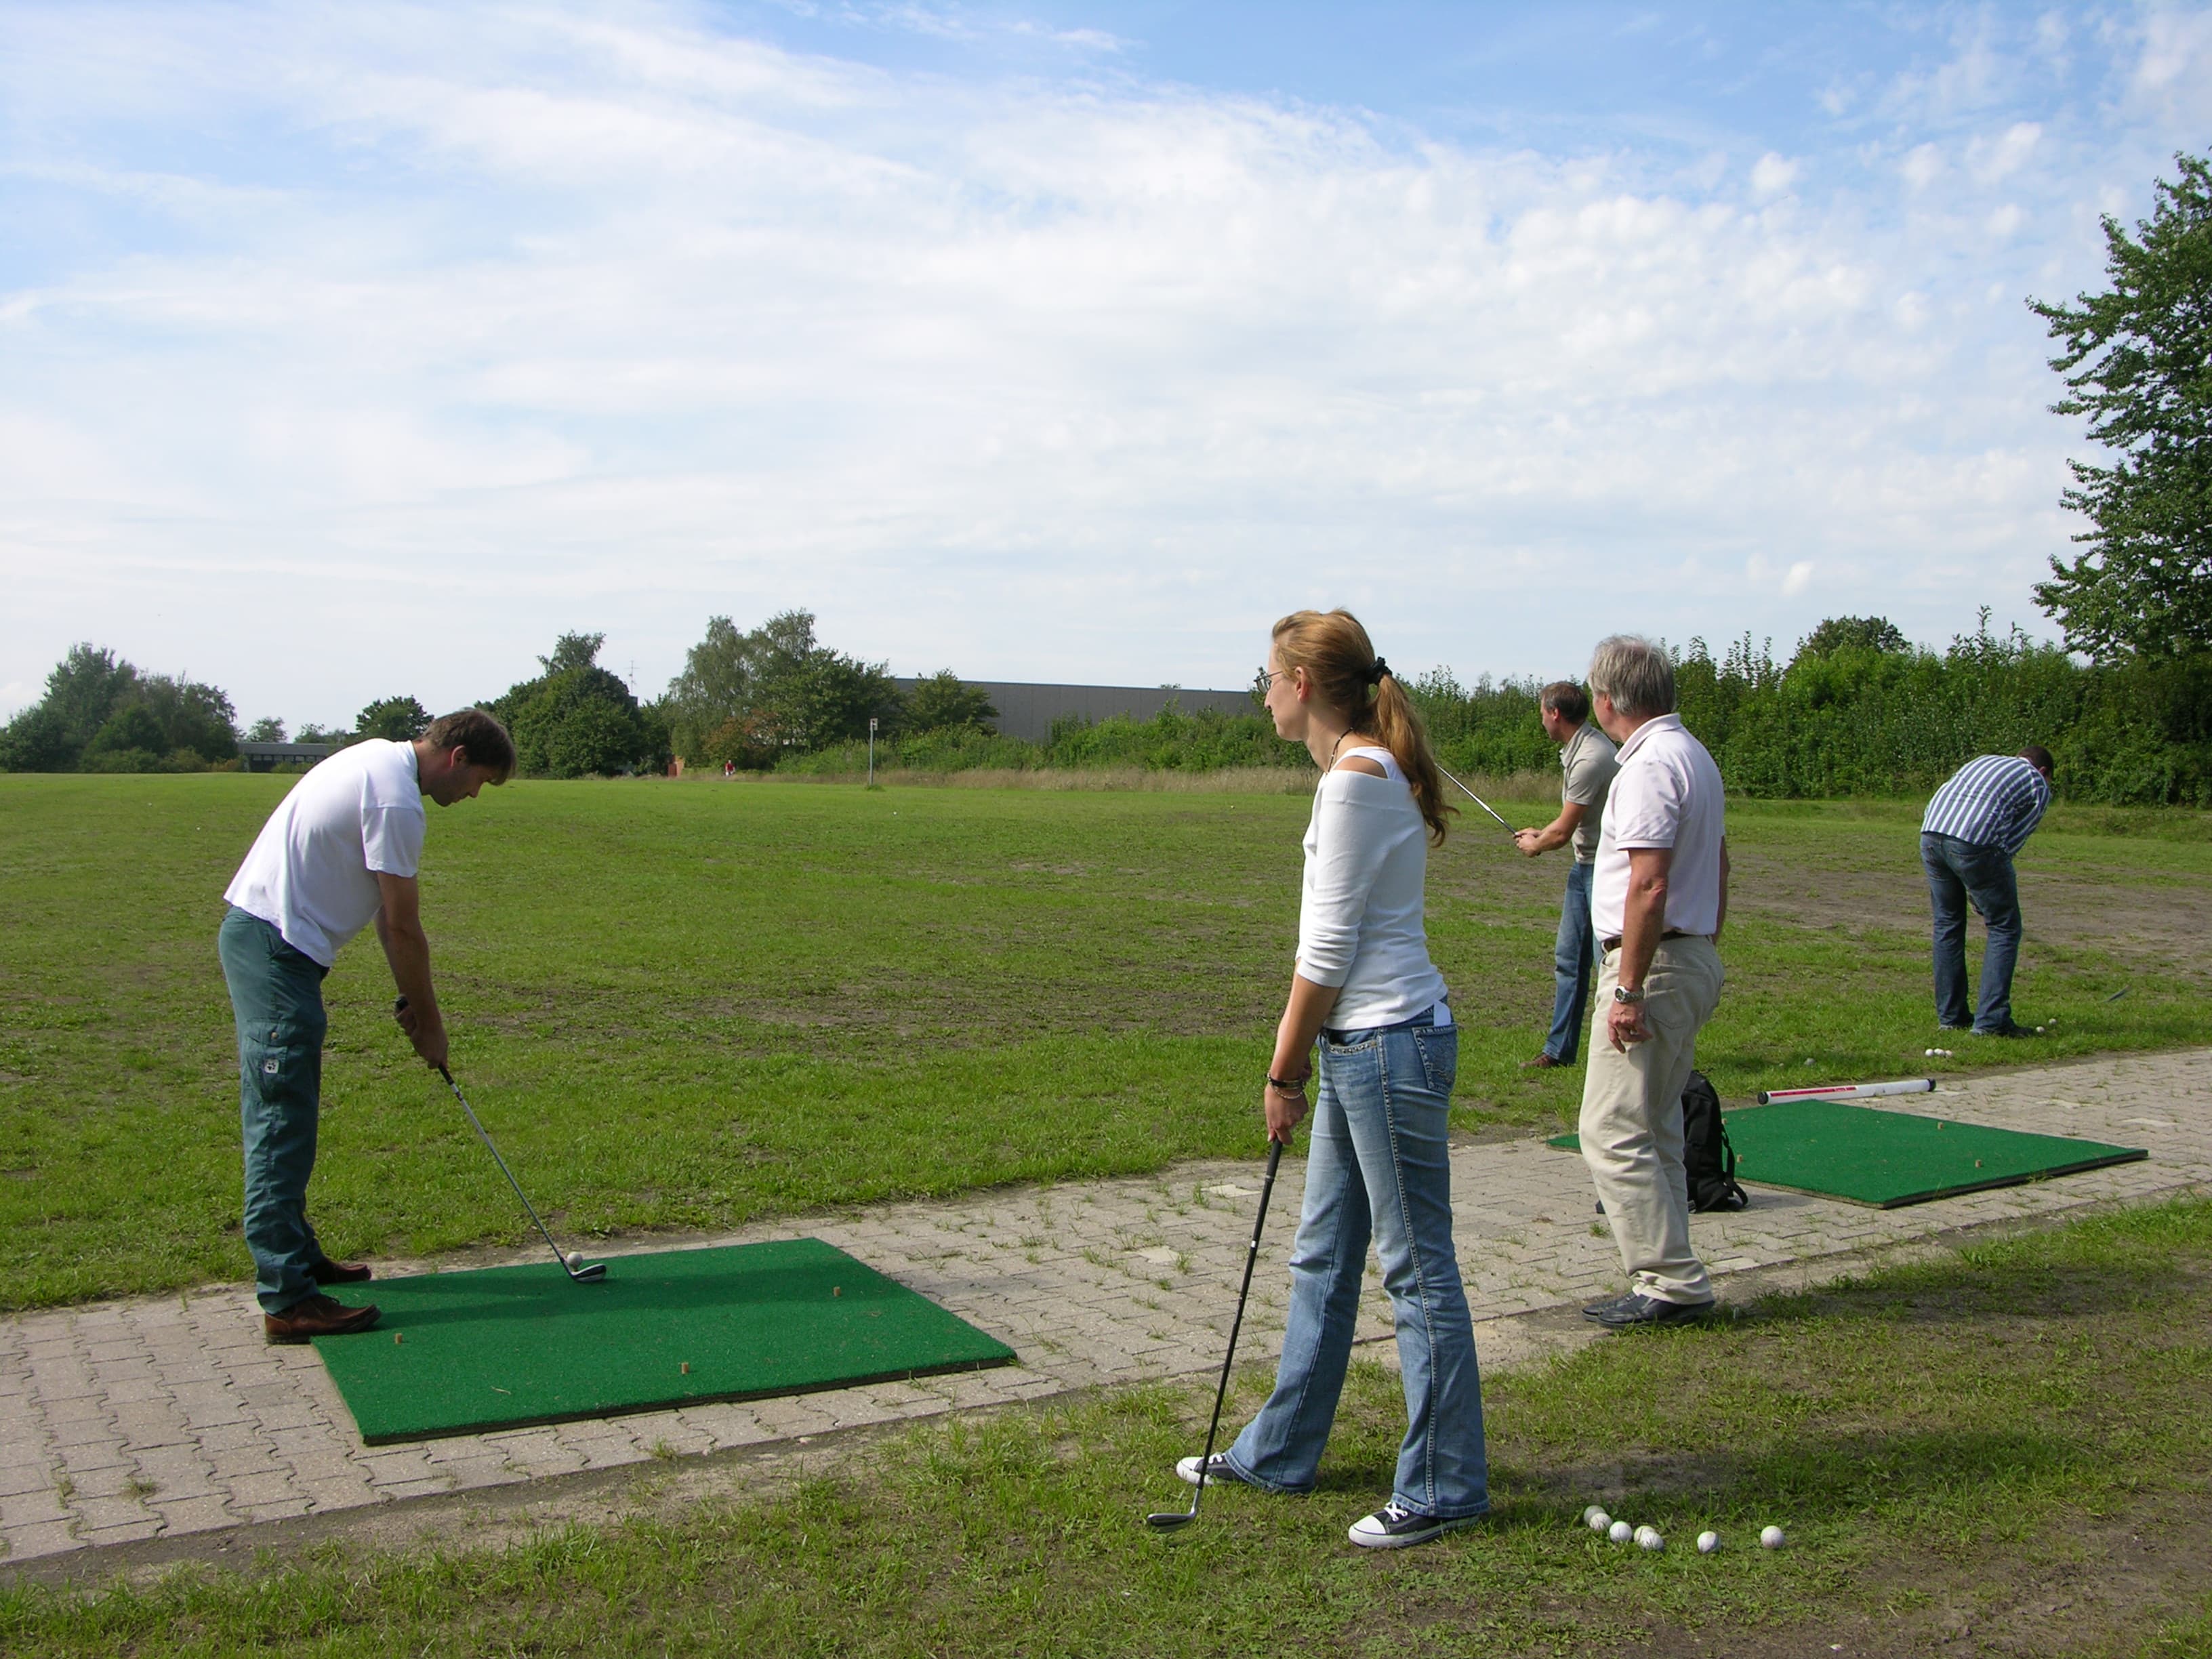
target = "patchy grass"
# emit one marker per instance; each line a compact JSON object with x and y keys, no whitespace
{"x":2007,"y":1452}
{"x":680,"y":1006}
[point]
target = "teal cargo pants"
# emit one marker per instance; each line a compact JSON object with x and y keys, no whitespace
{"x":276,"y":998}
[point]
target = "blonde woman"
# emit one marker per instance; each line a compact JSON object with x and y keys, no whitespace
{"x":1379,"y":1166}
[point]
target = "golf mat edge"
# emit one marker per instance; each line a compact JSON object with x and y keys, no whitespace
{"x":501,"y":1424}
{"x":1862,"y":1146}
{"x":489,"y":1350}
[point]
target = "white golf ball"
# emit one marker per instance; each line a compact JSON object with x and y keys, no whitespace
{"x":1599,"y":1521}
{"x":1771,"y":1538}
{"x":1650,"y":1538}
{"x":1620,"y":1532}
{"x":575,"y":1258}
{"x":1589,"y":1511}
{"x":1708,"y":1542}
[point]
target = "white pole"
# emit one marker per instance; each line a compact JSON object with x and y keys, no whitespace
{"x":1911,"y":1085}
{"x":872,"y":752}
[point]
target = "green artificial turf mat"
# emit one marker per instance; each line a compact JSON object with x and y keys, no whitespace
{"x":462,"y":1352}
{"x":1837,"y":1149}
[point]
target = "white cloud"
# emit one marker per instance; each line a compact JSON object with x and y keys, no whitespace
{"x":1772,"y":174}
{"x":608,"y":319}
{"x":1994,"y":159}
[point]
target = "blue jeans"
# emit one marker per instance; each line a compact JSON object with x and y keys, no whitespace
{"x":276,"y":998}
{"x":1574,"y":957}
{"x":1379,"y":1164}
{"x":1960,"y":873}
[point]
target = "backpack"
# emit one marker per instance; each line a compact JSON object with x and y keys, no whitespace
{"x":1707,"y":1158}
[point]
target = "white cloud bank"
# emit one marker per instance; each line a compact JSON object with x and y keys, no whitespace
{"x":385,"y":341}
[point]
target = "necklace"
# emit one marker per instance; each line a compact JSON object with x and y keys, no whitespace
{"x":1333,"y":747}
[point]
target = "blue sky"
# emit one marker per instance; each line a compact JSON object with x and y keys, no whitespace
{"x":350,"y":351}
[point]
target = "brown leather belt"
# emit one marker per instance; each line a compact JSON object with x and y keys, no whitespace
{"x":1608,"y":946}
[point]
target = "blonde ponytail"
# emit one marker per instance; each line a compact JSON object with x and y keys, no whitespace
{"x":1342,"y":663}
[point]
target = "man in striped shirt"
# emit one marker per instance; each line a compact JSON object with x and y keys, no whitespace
{"x":1972,"y":828}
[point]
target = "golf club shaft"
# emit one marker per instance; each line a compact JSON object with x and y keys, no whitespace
{"x":1478,"y":801}
{"x":1251,"y":1256}
{"x":478,"y":1127}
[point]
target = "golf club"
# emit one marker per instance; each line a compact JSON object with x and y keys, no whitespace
{"x":1478,"y":801}
{"x":1169,"y":1520}
{"x":585,"y":1275}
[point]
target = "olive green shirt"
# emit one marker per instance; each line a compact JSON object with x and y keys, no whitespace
{"x":1586,"y":761}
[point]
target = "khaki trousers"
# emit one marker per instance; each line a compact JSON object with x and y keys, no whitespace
{"x":1632,"y":1117}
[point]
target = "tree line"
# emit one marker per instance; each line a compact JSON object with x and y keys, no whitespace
{"x":749,"y":698}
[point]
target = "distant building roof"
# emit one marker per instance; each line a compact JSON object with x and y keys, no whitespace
{"x":263,"y":757}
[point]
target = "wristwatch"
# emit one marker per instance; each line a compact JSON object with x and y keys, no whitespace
{"x":1622,"y":994}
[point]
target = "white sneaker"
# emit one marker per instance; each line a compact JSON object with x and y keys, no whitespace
{"x":1394,"y":1526}
{"x":1216,"y":1471}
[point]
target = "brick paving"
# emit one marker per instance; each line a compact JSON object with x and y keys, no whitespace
{"x":167,"y":1416}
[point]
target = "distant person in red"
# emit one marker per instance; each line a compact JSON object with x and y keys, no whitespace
{"x":339,"y":853}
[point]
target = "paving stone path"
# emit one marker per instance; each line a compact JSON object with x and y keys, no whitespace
{"x":167,"y":1416}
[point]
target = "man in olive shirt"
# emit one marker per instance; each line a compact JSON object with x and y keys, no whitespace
{"x":1586,"y":759}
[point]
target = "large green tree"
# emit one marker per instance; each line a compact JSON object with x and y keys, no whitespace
{"x":173,"y":719}
{"x":401,"y":719}
{"x":944,"y":702}
{"x":577,"y":719}
{"x":750,"y":696}
{"x":2137,"y":361}
{"x":1852,"y":634}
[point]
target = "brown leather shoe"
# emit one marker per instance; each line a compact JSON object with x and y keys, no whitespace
{"x":318,"y":1316}
{"x":1541,"y":1063}
{"x":327,"y":1272}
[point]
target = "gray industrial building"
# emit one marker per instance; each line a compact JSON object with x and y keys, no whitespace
{"x":1028,"y":711}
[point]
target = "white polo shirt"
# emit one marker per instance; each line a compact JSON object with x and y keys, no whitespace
{"x":1667,"y":794}
{"x":311,"y":872}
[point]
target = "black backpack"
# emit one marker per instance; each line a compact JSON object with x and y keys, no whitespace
{"x":1707,"y":1158}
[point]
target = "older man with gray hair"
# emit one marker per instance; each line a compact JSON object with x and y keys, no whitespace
{"x":1658,"y":897}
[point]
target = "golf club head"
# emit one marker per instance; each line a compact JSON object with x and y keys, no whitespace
{"x":1169,"y":1520}
{"x":590,"y":1275}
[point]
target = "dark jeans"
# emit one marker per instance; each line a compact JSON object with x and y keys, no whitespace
{"x":276,"y":998}
{"x":1960,"y":873}
{"x":1574,"y":959}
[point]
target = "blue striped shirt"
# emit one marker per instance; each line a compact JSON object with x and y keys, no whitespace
{"x":1993,"y":800}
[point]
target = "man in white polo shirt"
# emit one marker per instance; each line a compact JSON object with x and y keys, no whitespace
{"x":340,"y":852}
{"x":1658,"y":896}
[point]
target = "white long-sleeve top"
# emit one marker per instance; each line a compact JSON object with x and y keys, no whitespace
{"x":1360,"y":924}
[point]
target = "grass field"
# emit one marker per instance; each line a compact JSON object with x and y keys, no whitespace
{"x":683,"y":1005}
{"x":2004,"y":1452}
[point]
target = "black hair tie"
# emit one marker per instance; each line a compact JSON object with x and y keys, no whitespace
{"x":1375,"y":674}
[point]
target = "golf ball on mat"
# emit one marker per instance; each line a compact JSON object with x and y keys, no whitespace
{"x":1708,"y":1542}
{"x":575,"y":1258}
{"x":1620,"y":1532}
{"x":1650,"y":1538}
{"x":1597,"y":1520}
{"x":1771,"y":1538}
